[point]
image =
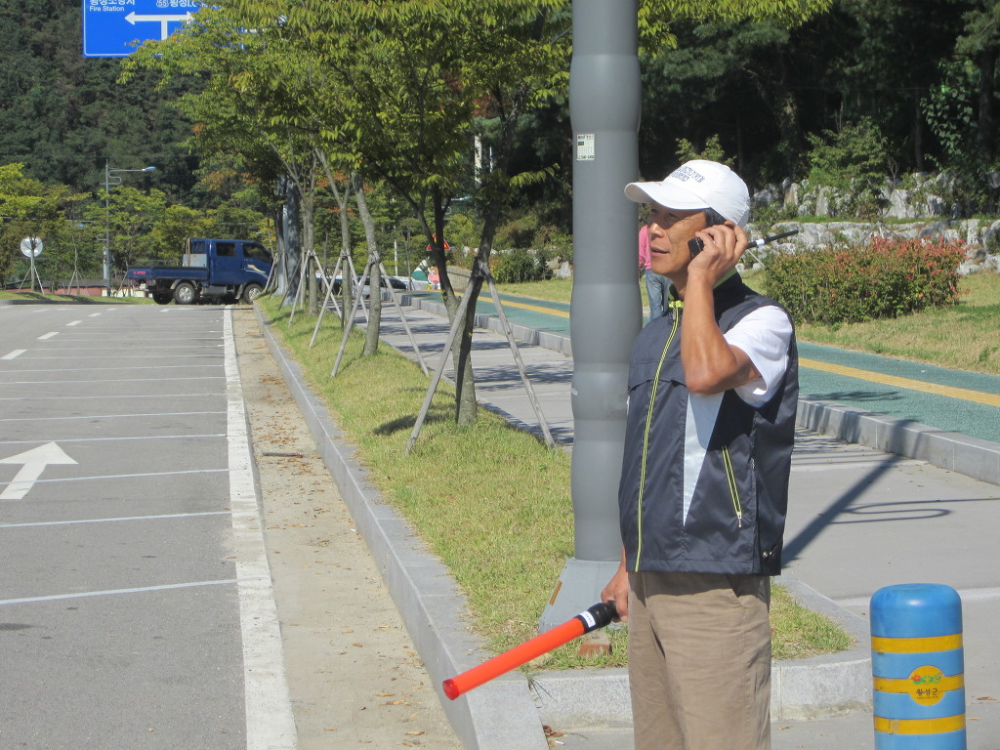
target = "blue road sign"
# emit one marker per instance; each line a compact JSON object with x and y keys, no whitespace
{"x":111,"y":28}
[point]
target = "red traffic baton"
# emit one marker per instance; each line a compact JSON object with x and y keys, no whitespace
{"x":593,"y":618}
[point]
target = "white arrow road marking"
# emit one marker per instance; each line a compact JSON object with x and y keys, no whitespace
{"x":34,"y":462}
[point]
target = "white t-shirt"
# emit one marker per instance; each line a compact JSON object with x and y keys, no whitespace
{"x":764,"y":336}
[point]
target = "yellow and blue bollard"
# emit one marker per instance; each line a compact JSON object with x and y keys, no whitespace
{"x":918,"y":668}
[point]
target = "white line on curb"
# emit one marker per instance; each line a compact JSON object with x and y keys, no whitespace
{"x":270,"y":723}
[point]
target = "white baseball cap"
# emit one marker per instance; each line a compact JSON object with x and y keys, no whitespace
{"x":698,"y":184}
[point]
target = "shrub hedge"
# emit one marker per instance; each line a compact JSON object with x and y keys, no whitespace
{"x":883,"y":279}
{"x":518,"y":265}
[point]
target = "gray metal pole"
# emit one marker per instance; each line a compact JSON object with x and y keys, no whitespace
{"x":605,"y":312}
{"x":107,"y":228}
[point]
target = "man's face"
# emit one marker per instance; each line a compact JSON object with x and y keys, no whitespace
{"x":669,"y":232}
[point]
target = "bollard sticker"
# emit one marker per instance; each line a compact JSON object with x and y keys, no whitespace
{"x":925,"y":685}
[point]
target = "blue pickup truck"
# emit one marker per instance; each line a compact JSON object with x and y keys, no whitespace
{"x":210,"y":270}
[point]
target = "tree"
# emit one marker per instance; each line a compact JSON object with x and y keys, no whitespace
{"x":31,"y":209}
{"x":400,"y":105}
{"x":226,"y":71}
{"x":130,"y":216}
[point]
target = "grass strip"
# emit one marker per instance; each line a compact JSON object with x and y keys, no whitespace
{"x":492,"y":501}
{"x":83,"y":298}
{"x":962,"y":337}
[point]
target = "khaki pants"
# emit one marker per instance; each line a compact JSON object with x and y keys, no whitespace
{"x":700,"y":661}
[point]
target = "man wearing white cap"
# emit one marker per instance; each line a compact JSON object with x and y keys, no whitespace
{"x":713,"y":389}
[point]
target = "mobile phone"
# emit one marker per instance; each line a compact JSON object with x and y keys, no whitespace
{"x":695,"y":245}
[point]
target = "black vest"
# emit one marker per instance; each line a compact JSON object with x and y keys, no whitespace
{"x":704,"y":484}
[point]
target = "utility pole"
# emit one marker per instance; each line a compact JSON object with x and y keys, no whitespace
{"x":605,"y":311}
{"x":108,"y":171}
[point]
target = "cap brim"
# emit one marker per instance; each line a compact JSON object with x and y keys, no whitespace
{"x":667,"y":195}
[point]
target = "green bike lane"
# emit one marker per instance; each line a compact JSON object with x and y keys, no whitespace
{"x":958,"y":401}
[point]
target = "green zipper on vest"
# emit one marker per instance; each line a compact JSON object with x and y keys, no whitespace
{"x":676,"y":304}
{"x":734,"y":490}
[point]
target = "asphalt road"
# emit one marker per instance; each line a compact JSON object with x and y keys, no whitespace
{"x":135,"y":605}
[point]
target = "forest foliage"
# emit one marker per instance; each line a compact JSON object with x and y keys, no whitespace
{"x":841,"y":92}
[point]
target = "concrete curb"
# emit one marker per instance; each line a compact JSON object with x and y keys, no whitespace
{"x":497,"y":716}
{"x":509,"y":712}
{"x":820,"y":686}
{"x":979,"y":459}
{"x":557,"y":342}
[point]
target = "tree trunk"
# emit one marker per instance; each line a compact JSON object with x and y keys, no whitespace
{"x":345,"y":239}
{"x":293,"y":245}
{"x":918,"y":133}
{"x":347,"y":300}
{"x":375,"y":279}
{"x":281,"y":272}
{"x":466,"y":408}
{"x":987,"y":67}
{"x":309,"y":248}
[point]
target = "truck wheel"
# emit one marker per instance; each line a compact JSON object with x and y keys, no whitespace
{"x":251,"y":292}
{"x":185,"y":293}
{"x":162,"y":298}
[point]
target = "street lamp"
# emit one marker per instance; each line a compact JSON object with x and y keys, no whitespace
{"x":108,"y":172}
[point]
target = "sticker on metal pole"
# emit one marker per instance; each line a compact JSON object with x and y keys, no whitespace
{"x":585,"y":147}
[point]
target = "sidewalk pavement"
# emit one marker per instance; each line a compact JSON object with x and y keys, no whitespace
{"x":859,"y":519}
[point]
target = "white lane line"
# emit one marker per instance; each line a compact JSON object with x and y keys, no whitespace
{"x":105,"y":357}
{"x":94,"y":315}
{"x":83,"y":346}
{"x":46,"y":336}
{"x":14,"y":354}
{"x":74,"y":323}
{"x":80,"y":337}
{"x":163,"y":517}
{"x":118,"y":397}
{"x":196,"y":332}
{"x":270,"y":724}
{"x":114,"y":592}
{"x":109,"y":380}
{"x":115,"y":416}
{"x":141,"y":475}
{"x":207,"y":436}
{"x":119,"y":368}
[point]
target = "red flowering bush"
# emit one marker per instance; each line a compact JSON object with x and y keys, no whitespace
{"x":883,"y":279}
